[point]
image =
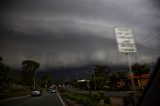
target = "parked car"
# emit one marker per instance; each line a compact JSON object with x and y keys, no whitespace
{"x":36,"y":93}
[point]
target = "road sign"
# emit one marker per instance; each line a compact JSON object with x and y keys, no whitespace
{"x":126,"y":44}
{"x":125,"y":40}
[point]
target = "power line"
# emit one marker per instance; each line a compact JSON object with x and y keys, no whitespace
{"x":149,"y":36}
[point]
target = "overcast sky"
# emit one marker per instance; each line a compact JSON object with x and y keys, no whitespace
{"x":75,"y":33}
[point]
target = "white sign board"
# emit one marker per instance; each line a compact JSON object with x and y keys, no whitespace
{"x":125,"y":39}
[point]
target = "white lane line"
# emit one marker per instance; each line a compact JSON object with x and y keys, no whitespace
{"x":61,"y":99}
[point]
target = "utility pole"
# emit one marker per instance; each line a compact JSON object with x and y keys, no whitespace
{"x":68,"y":79}
{"x":95,"y":87}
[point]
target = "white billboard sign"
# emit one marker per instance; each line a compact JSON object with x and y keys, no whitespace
{"x":125,"y":39}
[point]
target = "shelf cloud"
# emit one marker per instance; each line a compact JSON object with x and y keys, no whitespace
{"x":69,"y":33}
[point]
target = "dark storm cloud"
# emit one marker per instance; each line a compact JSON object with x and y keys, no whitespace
{"x":63,"y":33}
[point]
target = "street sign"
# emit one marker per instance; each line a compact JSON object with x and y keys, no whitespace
{"x":125,"y":40}
{"x":126,"y":44}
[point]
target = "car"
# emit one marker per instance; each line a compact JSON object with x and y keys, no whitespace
{"x":53,"y":91}
{"x":36,"y":93}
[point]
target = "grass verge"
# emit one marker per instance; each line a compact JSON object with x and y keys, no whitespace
{"x":14,"y":94}
{"x":85,"y":99}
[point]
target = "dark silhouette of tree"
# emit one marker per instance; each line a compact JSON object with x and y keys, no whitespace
{"x":1,"y":59}
{"x":16,"y":77}
{"x":101,"y":76}
{"x":5,"y":76}
{"x":29,"y":67}
{"x":139,"y":69}
{"x":118,"y":76}
{"x":46,"y":81}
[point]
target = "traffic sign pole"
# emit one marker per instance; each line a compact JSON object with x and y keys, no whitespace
{"x":131,"y":72}
{"x":126,"y":45}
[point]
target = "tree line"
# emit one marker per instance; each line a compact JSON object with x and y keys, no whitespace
{"x":9,"y":76}
{"x":103,"y":78}
{"x":102,"y":75}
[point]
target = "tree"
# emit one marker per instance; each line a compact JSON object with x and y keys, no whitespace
{"x":29,"y":68}
{"x":118,"y":76}
{"x":1,"y":59}
{"x":100,"y":77}
{"x":139,"y":69}
{"x":122,"y":75}
{"x":5,"y":76}
{"x":46,"y":81}
{"x":30,"y":65}
{"x":113,"y":80}
{"x":16,"y":77}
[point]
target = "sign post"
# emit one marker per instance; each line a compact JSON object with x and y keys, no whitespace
{"x":126,"y":45}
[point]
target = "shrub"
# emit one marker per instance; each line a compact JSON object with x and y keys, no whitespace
{"x":107,"y":100}
{"x":85,"y":99}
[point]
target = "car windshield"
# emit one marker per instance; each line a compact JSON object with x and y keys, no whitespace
{"x":88,"y":52}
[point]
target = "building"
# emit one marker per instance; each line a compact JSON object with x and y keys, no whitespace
{"x":140,"y":80}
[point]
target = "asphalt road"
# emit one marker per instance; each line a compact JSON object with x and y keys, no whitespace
{"x":48,"y":99}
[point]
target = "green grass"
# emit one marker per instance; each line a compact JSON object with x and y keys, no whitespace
{"x":14,"y":94}
{"x":85,"y":99}
{"x":81,"y":99}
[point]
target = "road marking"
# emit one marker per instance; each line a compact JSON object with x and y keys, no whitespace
{"x":61,"y":99}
